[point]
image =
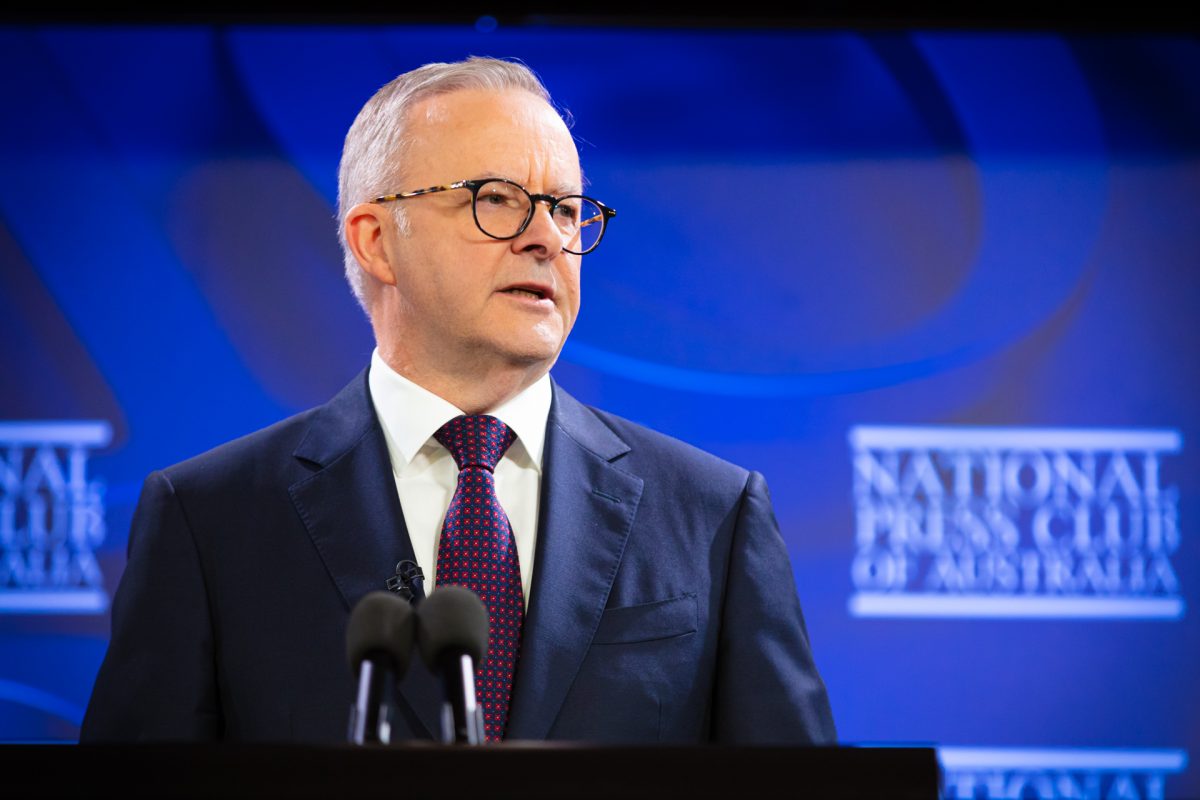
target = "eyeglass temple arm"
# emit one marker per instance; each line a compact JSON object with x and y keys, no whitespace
{"x":605,"y":213}
{"x":417,"y":192}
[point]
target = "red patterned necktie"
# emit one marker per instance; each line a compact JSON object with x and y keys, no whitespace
{"x":478,"y":551}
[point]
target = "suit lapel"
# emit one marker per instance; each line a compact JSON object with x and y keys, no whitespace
{"x":587,"y":509}
{"x":352,"y":513}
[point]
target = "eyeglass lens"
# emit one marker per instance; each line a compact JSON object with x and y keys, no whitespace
{"x":502,"y":208}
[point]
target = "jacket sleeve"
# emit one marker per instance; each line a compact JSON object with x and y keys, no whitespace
{"x":157,"y":681}
{"x":767,"y":688}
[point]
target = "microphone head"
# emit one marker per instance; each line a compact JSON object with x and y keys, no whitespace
{"x":381,"y":623}
{"x":452,"y":621}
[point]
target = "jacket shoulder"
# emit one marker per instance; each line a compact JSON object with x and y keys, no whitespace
{"x":673,"y":460}
{"x":253,"y":450}
{"x":290,"y":448}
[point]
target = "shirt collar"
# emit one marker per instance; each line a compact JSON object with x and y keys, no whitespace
{"x":411,"y":415}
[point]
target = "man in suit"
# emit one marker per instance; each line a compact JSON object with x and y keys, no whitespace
{"x":653,"y":597}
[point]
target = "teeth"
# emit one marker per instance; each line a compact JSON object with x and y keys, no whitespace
{"x":526,"y":293}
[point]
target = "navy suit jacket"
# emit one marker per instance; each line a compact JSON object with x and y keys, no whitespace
{"x":662,"y":607}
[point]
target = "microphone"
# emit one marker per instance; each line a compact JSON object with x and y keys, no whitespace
{"x":452,"y":634}
{"x":379,"y":642}
{"x":408,"y":582}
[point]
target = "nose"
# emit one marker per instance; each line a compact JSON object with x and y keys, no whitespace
{"x":541,"y":237}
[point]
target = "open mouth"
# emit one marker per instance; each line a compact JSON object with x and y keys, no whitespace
{"x":535,"y":294}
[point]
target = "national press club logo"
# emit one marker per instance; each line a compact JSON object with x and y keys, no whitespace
{"x":998,"y":522}
{"x":1001,"y":773}
{"x":51,"y":518}
{"x":990,"y":522}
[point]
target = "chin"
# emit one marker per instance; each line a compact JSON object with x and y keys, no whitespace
{"x":533,"y":357}
{"x":532,"y":354}
{"x":540,"y":344}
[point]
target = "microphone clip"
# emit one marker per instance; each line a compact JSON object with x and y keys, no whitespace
{"x":408,"y":582}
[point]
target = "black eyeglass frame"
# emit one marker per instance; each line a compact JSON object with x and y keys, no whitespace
{"x":553,"y":202}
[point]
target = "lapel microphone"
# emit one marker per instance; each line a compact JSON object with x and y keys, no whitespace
{"x":408,"y":582}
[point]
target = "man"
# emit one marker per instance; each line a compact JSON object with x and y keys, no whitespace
{"x":644,"y":592}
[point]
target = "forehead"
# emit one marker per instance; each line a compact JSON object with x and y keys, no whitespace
{"x":471,"y":133}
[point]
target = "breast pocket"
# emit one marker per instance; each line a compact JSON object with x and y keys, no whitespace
{"x":647,"y":622}
{"x":635,"y":674}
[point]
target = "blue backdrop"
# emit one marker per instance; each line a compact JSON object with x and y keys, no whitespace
{"x":817,"y":231}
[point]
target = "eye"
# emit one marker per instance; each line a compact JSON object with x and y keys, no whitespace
{"x":567,"y":210}
{"x":502,"y":195}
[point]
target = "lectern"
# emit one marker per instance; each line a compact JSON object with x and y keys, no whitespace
{"x":518,"y":770}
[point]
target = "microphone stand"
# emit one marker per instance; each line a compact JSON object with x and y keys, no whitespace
{"x":462,"y":716}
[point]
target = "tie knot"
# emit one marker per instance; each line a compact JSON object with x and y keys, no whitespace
{"x":476,"y":441}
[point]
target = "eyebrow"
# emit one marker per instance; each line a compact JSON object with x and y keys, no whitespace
{"x":559,"y":190}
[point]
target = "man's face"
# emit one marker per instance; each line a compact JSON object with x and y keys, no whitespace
{"x":467,"y":301}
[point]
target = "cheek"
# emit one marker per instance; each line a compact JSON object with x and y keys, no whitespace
{"x":439,"y":287}
{"x":571,"y":289}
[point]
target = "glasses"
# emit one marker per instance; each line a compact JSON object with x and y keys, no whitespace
{"x":503,"y":210}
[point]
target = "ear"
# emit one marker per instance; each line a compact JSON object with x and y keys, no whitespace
{"x":368,"y":226}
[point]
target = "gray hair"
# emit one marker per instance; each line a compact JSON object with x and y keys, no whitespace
{"x":375,"y":143}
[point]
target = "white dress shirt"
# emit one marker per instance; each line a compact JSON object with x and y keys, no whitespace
{"x":426,"y":474}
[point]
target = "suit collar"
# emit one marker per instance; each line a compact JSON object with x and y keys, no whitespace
{"x":340,"y":425}
{"x":587,"y":510}
{"x":570,"y":418}
{"x":350,"y":508}
{"x":349,"y":503}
